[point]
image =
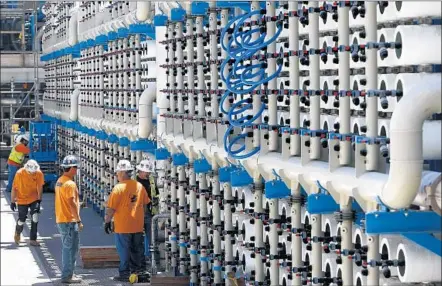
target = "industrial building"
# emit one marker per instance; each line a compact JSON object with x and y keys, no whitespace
{"x":292,"y":142}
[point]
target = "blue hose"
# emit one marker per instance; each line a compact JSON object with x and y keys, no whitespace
{"x":243,"y":79}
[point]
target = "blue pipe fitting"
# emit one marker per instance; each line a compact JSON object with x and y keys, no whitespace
{"x":112,"y":138}
{"x":124,"y":142}
{"x":123,"y":33}
{"x":179,"y":159}
{"x":162,"y":154}
{"x":201,"y":166}
{"x":178,"y":15}
{"x":276,"y":189}
{"x":160,"y":21}
{"x":83,"y":45}
{"x":112,"y":36}
{"x":90,"y":43}
{"x":199,"y":8}
{"x":143,"y":29}
{"x":101,"y":40}
{"x":75,"y":51}
{"x":101,"y":135}
{"x":240,"y":178}
{"x":143,"y":145}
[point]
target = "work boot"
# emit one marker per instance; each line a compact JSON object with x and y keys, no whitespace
{"x":17,"y":238}
{"x":72,"y":280}
{"x":121,"y":279}
{"x":34,"y":243}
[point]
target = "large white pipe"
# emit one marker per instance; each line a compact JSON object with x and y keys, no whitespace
{"x":432,"y":140}
{"x":74,"y":105}
{"x":372,"y":125}
{"x":272,"y":105}
{"x":372,"y":83}
{"x":144,"y":11}
{"x":342,"y":180}
{"x":162,"y":101}
{"x":295,"y":139}
{"x":315,"y":113}
{"x":73,"y":27}
{"x":344,"y":84}
{"x":406,"y":145}
{"x":145,"y":111}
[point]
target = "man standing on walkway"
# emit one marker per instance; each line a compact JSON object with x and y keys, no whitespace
{"x":16,"y":158}
{"x":146,"y":178}
{"x":67,"y":212}
{"x":26,"y":196}
{"x":126,"y":206}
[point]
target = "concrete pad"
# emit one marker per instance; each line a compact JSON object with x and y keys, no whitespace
{"x":20,"y":264}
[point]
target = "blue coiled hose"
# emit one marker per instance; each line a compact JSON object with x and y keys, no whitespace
{"x":243,"y":79}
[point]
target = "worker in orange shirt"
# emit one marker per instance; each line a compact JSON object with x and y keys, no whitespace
{"x":126,"y":206}
{"x":16,"y":158}
{"x":67,"y":216}
{"x":26,"y":196}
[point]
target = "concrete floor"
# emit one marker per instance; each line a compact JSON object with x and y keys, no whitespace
{"x":25,"y":265}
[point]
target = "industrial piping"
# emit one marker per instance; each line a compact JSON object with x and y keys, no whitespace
{"x":154,"y":236}
{"x":74,"y":105}
{"x":145,"y":111}
{"x":406,"y":158}
{"x":144,"y":11}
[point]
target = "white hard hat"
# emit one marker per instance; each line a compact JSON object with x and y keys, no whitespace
{"x":124,"y":165}
{"x":32,"y":166}
{"x":145,"y":166}
{"x":22,"y":137}
{"x":70,"y":161}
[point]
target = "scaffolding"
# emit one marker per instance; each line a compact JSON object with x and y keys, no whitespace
{"x":20,"y":67}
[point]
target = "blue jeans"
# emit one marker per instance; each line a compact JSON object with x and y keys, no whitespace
{"x":130,"y":250}
{"x":70,"y":239}
{"x":148,"y":233}
{"x":11,"y":175}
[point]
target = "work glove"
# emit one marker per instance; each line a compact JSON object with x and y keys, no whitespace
{"x":108,"y":227}
{"x":37,"y":206}
{"x":13,"y":206}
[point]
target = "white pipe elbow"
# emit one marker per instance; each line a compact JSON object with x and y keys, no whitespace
{"x":130,"y":19}
{"x":126,"y":129}
{"x":133,"y":133}
{"x":145,"y":111}
{"x":74,"y":105}
{"x":144,"y":11}
{"x":406,"y":152}
{"x":166,"y":7}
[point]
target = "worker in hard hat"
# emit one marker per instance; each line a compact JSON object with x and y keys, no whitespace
{"x":16,"y":158}
{"x":126,"y":206}
{"x":145,"y":177}
{"x":67,"y":216}
{"x":26,"y":197}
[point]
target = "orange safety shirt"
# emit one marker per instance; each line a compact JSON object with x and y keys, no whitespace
{"x":128,"y":199}
{"x":66,"y":193}
{"x":26,"y":186}
{"x":21,"y":148}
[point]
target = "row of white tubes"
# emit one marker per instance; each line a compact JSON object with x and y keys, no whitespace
{"x":344,"y":116}
{"x":94,"y":13}
{"x":122,"y":54}
{"x":92,"y":104}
